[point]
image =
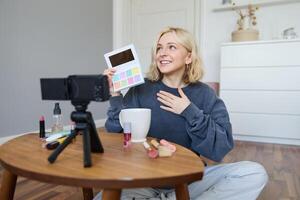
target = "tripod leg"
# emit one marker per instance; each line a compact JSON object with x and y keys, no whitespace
{"x":62,"y":146}
{"x":87,"y":148}
{"x":91,"y":142}
{"x":96,"y":145}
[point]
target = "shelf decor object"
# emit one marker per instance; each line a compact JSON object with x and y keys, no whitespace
{"x":260,"y":3}
{"x":246,"y":24}
{"x":245,"y":35}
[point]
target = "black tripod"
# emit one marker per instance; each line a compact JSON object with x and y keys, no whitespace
{"x":83,"y":122}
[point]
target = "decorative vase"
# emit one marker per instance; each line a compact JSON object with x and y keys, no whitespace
{"x":245,"y":35}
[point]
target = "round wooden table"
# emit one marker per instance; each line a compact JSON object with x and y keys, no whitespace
{"x":112,"y":170}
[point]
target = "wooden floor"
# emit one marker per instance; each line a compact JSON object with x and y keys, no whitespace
{"x":281,"y":161}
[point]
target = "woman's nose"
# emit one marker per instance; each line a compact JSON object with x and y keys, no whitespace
{"x":162,"y":52}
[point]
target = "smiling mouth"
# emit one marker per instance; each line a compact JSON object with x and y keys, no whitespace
{"x":165,"y":62}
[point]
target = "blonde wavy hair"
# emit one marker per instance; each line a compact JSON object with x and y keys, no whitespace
{"x":193,"y":71}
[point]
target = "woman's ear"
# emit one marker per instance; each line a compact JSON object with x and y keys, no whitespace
{"x":188,"y":59}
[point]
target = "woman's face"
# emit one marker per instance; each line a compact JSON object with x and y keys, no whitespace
{"x":171,"y":57}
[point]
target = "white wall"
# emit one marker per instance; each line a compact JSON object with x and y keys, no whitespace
{"x":48,"y":38}
{"x":219,"y":25}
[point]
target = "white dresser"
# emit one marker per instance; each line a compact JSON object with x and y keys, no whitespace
{"x":260,"y":85}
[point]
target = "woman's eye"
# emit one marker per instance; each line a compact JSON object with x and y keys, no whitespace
{"x":158,"y":48}
{"x":172,"y":47}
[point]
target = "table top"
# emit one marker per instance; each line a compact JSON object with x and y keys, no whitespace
{"x":115,"y":168}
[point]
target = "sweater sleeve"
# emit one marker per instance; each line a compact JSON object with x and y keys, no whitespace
{"x":112,"y":123}
{"x":117,"y":103}
{"x":210,"y":130}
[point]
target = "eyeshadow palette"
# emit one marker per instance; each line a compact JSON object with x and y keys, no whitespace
{"x":128,"y":72}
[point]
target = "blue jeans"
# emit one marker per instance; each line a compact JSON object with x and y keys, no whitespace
{"x":233,"y":181}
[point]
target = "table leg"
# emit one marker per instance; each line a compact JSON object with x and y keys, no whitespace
{"x":182,"y":192}
{"x":8,"y":185}
{"x":111,"y":194}
{"x":87,"y":193}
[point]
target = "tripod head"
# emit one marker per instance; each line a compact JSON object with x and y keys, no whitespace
{"x":80,"y":106}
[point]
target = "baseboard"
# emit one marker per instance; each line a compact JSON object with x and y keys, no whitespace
{"x":99,"y":123}
{"x":272,"y":140}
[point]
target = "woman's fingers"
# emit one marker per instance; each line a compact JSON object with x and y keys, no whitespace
{"x":181,"y":93}
{"x":165,"y":102}
{"x":109,"y":73}
{"x":167,"y":94}
{"x":168,"y":109}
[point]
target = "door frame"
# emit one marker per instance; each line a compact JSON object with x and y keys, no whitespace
{"x":122,"y":12}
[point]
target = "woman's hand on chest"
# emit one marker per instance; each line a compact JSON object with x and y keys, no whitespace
{"x":173,"y":103}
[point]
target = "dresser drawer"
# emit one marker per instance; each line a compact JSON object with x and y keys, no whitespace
{"x":260,"y":54}
{"x":258,"y":78}
{"x":265,"y":125}
{"x":262,"y":102}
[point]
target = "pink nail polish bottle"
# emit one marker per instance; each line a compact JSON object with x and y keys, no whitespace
{"x":127,"y":135}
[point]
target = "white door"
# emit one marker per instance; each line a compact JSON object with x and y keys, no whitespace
{"x":141,"y":21}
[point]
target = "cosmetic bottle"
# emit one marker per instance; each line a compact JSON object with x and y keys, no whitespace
{"x":127,"y":135}
{"x":57,"y":117}
{"x":42,"y":127}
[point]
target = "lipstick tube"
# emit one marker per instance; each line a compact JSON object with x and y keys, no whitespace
{"x":42,"y":127}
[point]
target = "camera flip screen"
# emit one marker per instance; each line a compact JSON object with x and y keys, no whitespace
{"x":54,"y":89}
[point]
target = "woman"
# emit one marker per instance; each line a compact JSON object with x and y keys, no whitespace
{"x":187,"y":112}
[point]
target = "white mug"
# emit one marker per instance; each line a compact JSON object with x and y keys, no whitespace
{"x":140,"y":119}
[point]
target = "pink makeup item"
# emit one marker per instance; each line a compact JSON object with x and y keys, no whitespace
{"x":127,"y":135}
{"x":151,"y":152}
{"x":164,"y":151}
{"x":154,"y":143}
{"x":167,"y":144}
